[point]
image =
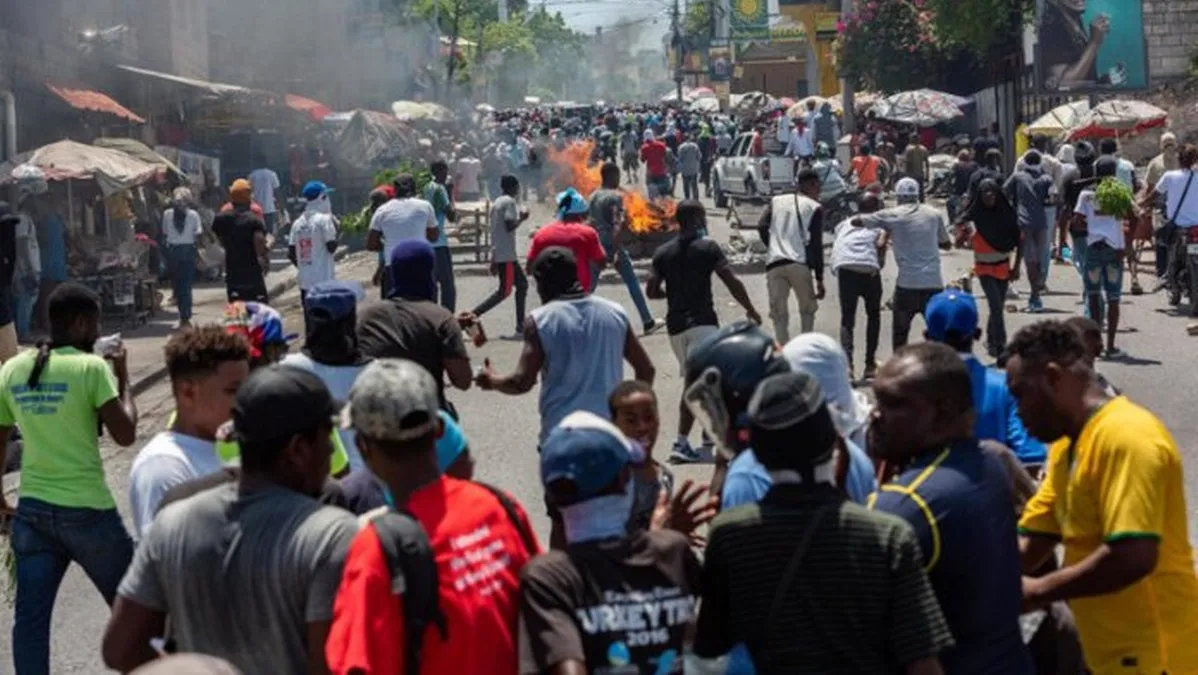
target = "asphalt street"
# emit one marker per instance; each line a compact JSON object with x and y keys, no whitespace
{"x":503,"y":429}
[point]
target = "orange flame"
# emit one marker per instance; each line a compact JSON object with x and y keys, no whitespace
{"x":573,"y":164}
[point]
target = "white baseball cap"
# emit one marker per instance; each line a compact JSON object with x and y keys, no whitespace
{"x":907,"y":187}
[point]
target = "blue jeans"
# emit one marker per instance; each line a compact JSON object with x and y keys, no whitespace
{"x":46,"y":540}
{"x":623,"y":265}
{"x":443,"y":267}
{"x":1078,"y":257}
{"x":23,"y":302}
{"x":183,"y":271}
{"x":1103,"y":276}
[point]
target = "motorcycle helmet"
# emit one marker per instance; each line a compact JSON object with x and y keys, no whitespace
{"x":722,"y":371}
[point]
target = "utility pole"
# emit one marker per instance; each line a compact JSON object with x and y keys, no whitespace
{"x":676,"y":26}
{"x":503,"y":9}
{"x":846,"y":86}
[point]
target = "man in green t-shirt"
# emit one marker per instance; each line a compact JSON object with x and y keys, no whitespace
{"x":59,"y":394}
{"x":437,"y":193}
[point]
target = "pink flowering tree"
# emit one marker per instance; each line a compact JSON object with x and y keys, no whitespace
{"x":889,"y":45}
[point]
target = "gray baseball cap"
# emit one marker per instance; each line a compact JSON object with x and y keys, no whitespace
{"x":392,"y":400}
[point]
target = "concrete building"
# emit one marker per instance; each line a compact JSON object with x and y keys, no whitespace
{"x":1171,"y":30}
{"x":172,"y":36}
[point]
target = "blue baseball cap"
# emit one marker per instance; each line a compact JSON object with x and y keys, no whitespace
{"x":313,"y":189}
{"x":951,"y":313}
{"x":571,"y":203}
{"x":451,"y":443}
{"x":586,"y":450}
{"x":337,"y":299}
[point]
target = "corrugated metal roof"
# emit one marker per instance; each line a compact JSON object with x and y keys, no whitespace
{"x":214,"y":88}
{"x":85,"y":99}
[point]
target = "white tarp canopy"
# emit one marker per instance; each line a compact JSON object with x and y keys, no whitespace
{"x":1060,"y":119}
{"x":112,"y":169}
{"x":417,"y":111}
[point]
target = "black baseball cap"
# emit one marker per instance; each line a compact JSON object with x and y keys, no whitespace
{"x":278,"y":402}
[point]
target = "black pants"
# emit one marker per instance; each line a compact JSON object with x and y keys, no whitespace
{"x":867,"y":287}
{"x":1163,"y":238}
{"x":908,"y":304}
{"x":510,"y":277}
{"x":690,"y":186}
{"x":996,"y":325}
{"x":251,"y":292}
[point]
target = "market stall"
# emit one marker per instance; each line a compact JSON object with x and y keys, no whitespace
{"x":98,"y":183}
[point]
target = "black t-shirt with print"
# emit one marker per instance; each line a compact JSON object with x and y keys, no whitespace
{"x":687,"y":268}
{"x":417,"y":330}
{"x":622,"y":606}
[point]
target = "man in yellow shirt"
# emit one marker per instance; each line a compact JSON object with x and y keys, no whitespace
{"x":1114,"y":496}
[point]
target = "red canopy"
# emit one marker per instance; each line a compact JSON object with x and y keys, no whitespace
{"x":315,"y":109}
{"x":96,"y":101}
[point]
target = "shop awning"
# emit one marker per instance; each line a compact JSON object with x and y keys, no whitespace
{"x":315,"y":109}
{"x":212,"y":88}
{"x":95,"y":101}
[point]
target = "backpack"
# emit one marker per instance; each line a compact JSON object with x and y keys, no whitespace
{"x":413,"y":570}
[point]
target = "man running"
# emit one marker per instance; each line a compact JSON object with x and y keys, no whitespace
{"x":685,"y":266}
{"x":608,"y":218}
{"x":506,"y":216}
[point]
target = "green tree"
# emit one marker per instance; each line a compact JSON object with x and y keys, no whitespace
{"x":977,"y":25}
{"x":697,"y":23}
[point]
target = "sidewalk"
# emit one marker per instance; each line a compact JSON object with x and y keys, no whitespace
{"x":144,"y":344}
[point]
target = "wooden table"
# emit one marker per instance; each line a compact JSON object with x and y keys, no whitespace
{"x":472,"y":232}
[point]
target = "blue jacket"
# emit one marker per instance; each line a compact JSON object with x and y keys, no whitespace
{"x":998,"y":415}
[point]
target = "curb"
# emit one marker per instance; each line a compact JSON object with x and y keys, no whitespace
{"x":140,"y":386}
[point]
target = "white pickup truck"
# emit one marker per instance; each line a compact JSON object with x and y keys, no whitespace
{"x":741,"y":174}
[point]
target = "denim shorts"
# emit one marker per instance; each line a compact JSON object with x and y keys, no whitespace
{"x":1104,"y":271}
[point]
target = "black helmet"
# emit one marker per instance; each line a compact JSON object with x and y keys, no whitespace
{"x":723,"y":371}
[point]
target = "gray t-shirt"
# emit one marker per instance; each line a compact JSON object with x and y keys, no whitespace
{"x":242,"y":575}
{"x":689,"y":158}
{"x":605,"y":204}
{"x":503,"y":241}
{"x":1029,"y":191}
{"x":916,"y":233}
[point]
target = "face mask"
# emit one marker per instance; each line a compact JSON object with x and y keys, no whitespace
{"x":321,"y":205}
{"x":603,"y":517}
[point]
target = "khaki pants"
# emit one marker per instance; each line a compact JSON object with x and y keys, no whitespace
{"x":8,"y":341}
{"x":780,"y":281}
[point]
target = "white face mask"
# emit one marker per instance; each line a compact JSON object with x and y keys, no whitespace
{"x":603,"y":517}
{"x":321,"y":205}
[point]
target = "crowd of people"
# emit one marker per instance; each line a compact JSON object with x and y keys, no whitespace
{"x":316,"y":510}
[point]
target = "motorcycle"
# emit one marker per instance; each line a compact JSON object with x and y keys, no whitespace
{"x":1184,"y":268}
{"x":841,"y":207}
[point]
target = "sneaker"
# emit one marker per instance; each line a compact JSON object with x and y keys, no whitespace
{"x":1035,"y":306}
{"x":871,"y":370}
{"x":683,"y":453}
{"x":653,"y":326}
{"x":514,"y":337}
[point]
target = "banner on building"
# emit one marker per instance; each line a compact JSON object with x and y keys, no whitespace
{"x":750,"y":20}
{"x":1090,"y":46}
{"x":720,"y":62}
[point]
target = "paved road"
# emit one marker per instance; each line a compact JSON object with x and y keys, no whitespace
{"x":504,"y":429}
